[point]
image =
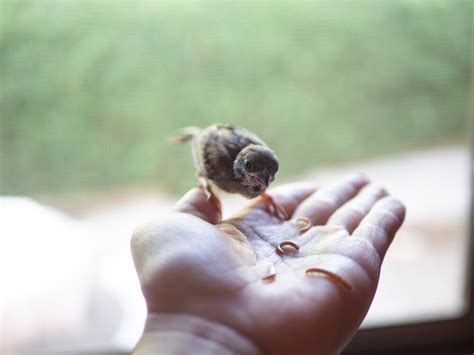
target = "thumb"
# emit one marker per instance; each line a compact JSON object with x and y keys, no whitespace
{"x":197,"y":203}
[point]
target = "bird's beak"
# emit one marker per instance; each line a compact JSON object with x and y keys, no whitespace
{"x":264,"y":178}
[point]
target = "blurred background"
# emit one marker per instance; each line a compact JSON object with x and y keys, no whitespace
{"x":90,"y":91}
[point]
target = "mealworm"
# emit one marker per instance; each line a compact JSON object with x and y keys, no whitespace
{"x":317,"y":272}
{"x":269,"y":279}
{"x":287,"y":243}
{"x":303,"y":224}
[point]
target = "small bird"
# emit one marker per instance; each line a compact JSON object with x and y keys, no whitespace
{"x":234,"y":159}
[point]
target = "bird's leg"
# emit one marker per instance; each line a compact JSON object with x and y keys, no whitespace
{"x":210,"y":195}
{"x":204,"y":183}
{"x":274,"y":208}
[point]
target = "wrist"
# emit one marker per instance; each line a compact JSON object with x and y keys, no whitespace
{"x":169,"y":333}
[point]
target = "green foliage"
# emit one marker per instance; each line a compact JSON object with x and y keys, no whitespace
{"x":91,"y":90}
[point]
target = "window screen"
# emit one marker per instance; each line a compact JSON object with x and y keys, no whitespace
{"x":90,"y":92}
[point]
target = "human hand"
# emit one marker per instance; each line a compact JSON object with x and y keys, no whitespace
{"x":205,"y":283}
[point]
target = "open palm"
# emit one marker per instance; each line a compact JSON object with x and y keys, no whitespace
{"x":192,"y":265}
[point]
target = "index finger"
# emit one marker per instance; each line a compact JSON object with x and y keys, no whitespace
{"x":288,"y":196}
{"x":323,"y":203}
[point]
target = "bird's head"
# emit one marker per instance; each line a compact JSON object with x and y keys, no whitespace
{"x":255,"y":167}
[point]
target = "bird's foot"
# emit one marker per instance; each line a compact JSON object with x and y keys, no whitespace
{"x":208,"y":191}
{"x":210,"y":195}
{"x":205,"y":185}
{"x":274,"y":208}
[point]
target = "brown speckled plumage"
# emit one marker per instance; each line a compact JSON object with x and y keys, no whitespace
{"x":233,"y":158}
{"x":219,"y":145}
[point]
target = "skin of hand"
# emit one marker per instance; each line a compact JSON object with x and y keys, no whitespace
{"x":203,"y":285}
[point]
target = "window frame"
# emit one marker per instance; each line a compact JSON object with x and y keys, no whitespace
{"x":440,"y":335}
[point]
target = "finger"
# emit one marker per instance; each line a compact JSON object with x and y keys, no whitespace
{"x":381,"y":224}
{"x":321,"y":205}
{"x":196,"y":203}
{"x":288,"y":196}
{"x":351,"y":213}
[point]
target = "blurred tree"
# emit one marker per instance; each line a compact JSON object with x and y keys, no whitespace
{"x":90,"y":90}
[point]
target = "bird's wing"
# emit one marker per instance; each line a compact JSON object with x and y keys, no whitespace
{"x":218,"y":146}
{"x":197,"y":152}
{"x":212,"y":158}
{"x":244,"y":137}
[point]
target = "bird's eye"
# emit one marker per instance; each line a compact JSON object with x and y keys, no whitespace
{"x":248,"y":164}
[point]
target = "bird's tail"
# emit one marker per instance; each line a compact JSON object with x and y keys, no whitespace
{"x":186,"y":134}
